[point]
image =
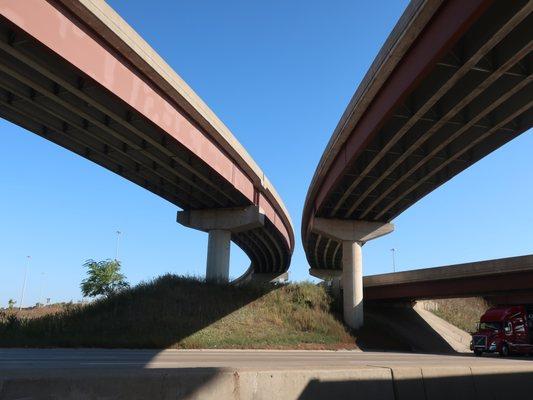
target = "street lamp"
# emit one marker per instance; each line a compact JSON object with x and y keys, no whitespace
{"x":118,"y":242}
{"x":24,"y":284}
{"x":393,"y":251}
{"x":41,"y":290}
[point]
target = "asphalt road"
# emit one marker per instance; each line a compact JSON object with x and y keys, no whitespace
{"x":33,"y":360}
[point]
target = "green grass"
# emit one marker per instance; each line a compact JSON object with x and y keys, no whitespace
{"x":177,"y":312}
{"x":461,"y":312}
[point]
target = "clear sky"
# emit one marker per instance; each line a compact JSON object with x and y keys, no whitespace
{"x":279,"y":74}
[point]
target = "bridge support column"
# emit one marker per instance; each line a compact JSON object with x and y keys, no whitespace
{"x":352,"y":282}
{"x":221,"y":224}
{"x":352,"y":235}
{"x":218,"y":253}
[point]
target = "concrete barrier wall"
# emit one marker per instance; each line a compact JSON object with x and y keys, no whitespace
{"x":383,"y":383}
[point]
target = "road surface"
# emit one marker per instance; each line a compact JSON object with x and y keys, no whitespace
{"x":35,"y":359}
{"x":260,"y":375}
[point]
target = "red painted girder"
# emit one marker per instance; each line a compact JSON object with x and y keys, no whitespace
{"x":471,"y":286}
{"x":445,"y":28}
{"x":83,"y":50}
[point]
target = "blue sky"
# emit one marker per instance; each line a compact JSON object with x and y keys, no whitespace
{"x":279,"y":74}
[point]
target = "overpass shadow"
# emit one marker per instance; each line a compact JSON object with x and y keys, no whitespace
{"x":180,"y":383}
{"x":428,"y":383}
{"x":375,"y":383}
{"x":390,"y":327}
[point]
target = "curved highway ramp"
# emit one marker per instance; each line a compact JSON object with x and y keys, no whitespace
{"x":76,"y":74}
{"x":451,"y":84}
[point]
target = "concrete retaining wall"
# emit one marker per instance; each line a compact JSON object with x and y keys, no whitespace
{"x":383,"y":383}
{"x":458,"y":339}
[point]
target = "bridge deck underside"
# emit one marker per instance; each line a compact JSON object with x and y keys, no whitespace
{"x":46,"y":95}
{"x":475,"y":98}
{"x":513,"y":285}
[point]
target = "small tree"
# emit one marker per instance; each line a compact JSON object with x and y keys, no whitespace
{"x":11,"y":303}
{"x":104,"y":278}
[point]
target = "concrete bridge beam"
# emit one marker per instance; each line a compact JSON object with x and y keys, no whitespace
{"x":352,"y":234}
{"x":220,"y":224}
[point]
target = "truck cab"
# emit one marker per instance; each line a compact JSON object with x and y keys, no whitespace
{"x":504,"y":330}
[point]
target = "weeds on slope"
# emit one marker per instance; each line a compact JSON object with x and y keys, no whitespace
{"x":183,"y":312}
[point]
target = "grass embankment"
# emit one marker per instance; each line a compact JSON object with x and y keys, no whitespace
{"x":177,"y":312}
{"x":464,"y":313}
{"x":34,"y":312}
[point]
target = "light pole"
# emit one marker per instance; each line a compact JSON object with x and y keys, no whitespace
{"x":24,"y":284}
{"x":41,"y":290}
{"x":118,"y":242}
{"x":393,"y":251}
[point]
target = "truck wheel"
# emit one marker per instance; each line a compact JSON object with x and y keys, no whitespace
{"x":478,"y":353}
{"x":504,"y":352}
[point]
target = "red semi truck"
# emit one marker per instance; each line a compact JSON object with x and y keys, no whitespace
{"x":504,"y":330}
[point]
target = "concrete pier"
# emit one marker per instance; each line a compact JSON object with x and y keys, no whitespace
{"x":220,"y":224}
{"x":352,"y":235}
{"x":218,"y":255}
{"x":352,"y":278}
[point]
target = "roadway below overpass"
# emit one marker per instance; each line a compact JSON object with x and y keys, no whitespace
{"x":27,"y":361}
{"x":257,"y":374}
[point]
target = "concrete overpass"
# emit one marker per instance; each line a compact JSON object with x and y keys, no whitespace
{"x":505,"y":280}
{"x":73,"y":72}
{"x":502,"y":281}
{"x":451,"y":84}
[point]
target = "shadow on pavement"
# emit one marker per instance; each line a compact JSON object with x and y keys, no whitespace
{"x":182,"y":383}
{"x":428,"y":383}
{"x":394,"y":383}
